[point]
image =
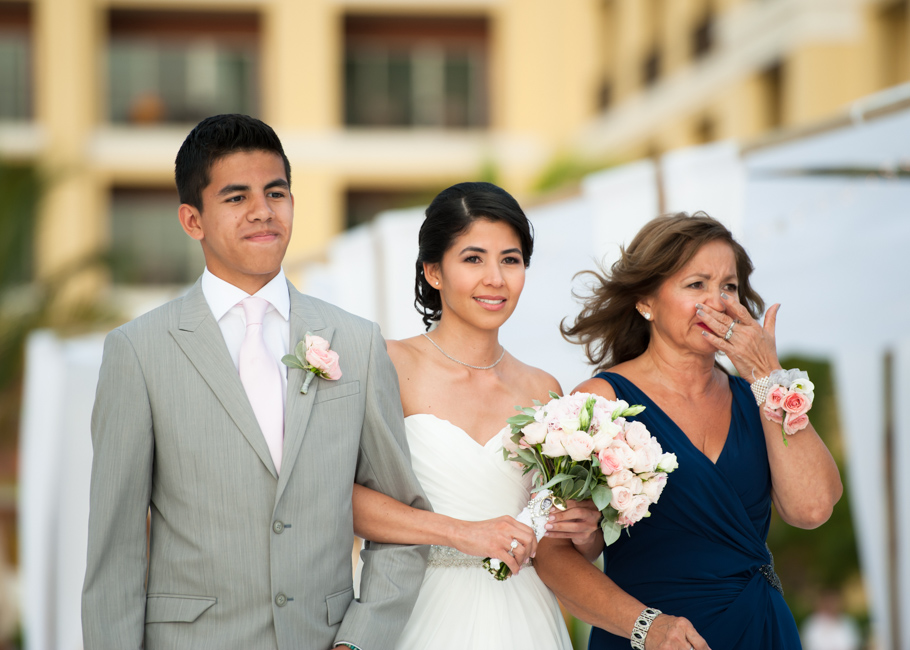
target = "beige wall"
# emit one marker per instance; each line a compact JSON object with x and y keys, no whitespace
{"x":548,"y":63}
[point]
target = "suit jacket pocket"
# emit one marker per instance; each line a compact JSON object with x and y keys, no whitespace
{"x":337,"y":604}
{"x":170,"y":608}
{"x":334,"y":392}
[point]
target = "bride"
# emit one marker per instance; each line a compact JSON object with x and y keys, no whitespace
{"x":458,"y":386}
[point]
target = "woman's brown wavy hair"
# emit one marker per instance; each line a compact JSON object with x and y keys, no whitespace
{"x":608,"y":325}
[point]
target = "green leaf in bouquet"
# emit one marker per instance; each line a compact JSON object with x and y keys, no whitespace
{"x":588,"y":479}
{"x":554,"y":395}
{"x":520,"y":421}
{"x":601,"y":495}
{"x":556,"y":480}
{"x":292,"y":362}
{"x":527,"y":456}
{"x":632,"y":410}
{"x":611,"y":530}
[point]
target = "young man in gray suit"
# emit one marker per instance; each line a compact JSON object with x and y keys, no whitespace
{"x":248,"y":480}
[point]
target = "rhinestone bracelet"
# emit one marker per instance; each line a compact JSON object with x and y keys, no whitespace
{"x":642,"y":625}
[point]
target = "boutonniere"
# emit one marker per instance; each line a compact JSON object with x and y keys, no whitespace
{"x":313,"y":356}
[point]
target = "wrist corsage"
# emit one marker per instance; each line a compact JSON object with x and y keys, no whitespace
{"x":313,"y":356}
{"x":785,"y":397}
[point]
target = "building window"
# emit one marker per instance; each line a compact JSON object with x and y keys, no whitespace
{"x":651,"y":67}
{"x":411,"y":71}
{"x":702,"y":40}
{"x":181,"y":66}
{"x":361,"y":205}
{"x":772,"y":87}
{"x":15,"y":64}
{"x":148,"y":246}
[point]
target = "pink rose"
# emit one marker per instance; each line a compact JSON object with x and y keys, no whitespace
{"x":602,"y":439}
{"x":624,"y":453}
{"x":507,"y":444}
{"x":622,"y":498}
{"x":654,"y":487}
{"x":636,"y":434}
{"x":552,"y":445}
{"x":621,"y":477}
{"x":638,"y":509}
{"x":636,"y":485}
{"x":324,"y":360}
{"x":610,"y":462}
{"x":796,"y":403}
{"x":317,"y":342}
{"x":793,"y":423}
{"x":775,"y":415}
{"x":534,"y":433}
{"x":579,"y":445}
{"x":776,"y":397}
{"x":645,"y":459}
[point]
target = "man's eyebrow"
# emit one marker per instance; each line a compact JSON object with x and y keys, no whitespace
{"x":230,"y":189}
{"x":278,"y":182}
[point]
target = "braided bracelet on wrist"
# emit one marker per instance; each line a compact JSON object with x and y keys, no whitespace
{"x":642,"y":625}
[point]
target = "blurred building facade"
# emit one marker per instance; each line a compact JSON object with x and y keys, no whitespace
{"x":381,"y":103}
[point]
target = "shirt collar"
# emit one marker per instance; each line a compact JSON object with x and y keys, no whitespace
{"x":221,"y":296}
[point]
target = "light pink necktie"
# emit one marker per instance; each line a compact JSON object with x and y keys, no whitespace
{"x":261,"y":378}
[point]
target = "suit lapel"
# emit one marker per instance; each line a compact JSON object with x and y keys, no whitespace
{"x":298,"y":406}
{"x":199,"y":336}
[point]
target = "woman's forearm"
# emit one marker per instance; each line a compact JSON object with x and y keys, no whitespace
{"x":804,"y":477}
{"x":380,"y":518}
{"x":584,"y":590}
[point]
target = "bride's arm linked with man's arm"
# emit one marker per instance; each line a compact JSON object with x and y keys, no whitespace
{"x":380,"y":518}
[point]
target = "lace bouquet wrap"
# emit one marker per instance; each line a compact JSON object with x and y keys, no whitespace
{"x":582,"y":446}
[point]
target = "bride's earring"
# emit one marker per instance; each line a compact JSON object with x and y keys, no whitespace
{"x":645,"y":314}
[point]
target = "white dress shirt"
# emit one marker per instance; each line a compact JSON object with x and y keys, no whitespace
{"x":224,"y":299}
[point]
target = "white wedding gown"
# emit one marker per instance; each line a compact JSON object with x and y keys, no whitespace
{"x":461,"y":606}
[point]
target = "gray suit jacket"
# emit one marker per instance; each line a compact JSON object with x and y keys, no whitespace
{"x":239,"y":557}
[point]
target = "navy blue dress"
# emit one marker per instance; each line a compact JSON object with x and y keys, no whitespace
{"x":702,"y":554}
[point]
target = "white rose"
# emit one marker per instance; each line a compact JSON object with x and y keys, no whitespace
{"x":506,"y":437}
{"x":654,"y":487}
{"x":569,"y":424}
{"x":622,"y":477}
{"x":636,"y":485}
{"x":637,"y":509}
{"x":624,"y":452}
{"x":534,"y":433}
{"x":667,"y":463}
{"x":602,"y":440}
{"x":622,"y":498}
{"x":552,"y":445}
{"x":645,"y":459}
{"x":579,"y":445}
{"x":637,"y":434}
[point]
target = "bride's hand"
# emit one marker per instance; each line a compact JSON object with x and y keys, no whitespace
{"x":580,"y":522}
{"x":493,"y":538}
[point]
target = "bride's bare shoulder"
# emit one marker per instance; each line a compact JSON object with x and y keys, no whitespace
{"x":403,"y":351}
{"x":537,"y":382}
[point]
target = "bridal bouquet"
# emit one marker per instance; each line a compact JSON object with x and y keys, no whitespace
{"x":582,"y":446}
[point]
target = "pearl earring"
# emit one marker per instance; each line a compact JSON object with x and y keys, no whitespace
{"x":646,"y":314}
{"x":437,"y":283}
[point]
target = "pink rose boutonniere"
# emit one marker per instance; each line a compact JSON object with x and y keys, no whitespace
{"x":313,"y":356}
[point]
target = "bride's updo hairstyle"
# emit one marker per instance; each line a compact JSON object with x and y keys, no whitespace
{"x":608,"y":325}
{"x":449,"y":215}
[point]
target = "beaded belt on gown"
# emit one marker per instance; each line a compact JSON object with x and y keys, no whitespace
{"x":445,"y":556}
{"x":767,"y":570}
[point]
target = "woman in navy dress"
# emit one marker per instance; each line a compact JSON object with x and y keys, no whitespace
{"x":656,"y":321}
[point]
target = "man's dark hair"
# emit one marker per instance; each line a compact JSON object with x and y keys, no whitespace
{"x":214,"y":138}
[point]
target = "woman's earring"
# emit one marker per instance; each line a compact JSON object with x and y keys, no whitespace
{"x":645,"y":314}
{"x":437,"y":283}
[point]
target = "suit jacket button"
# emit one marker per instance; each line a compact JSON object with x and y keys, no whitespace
{"x":278,"y":527}
{"x":281,"y":600}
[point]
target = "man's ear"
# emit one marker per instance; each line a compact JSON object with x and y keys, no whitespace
{"x":191,"y":220}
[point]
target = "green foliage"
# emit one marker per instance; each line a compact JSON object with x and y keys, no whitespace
{"x":825,"y":558}
{"x":565,"y":170}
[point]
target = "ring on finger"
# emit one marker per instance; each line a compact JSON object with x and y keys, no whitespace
{"x":730,"y":330}
{"x":514,"y":544}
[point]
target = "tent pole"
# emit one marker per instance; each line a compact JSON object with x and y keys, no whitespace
{"x":890,"y":503}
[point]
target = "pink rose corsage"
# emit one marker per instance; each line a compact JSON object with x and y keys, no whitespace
{"x":788,"y":399}
{"x":313,"y":356}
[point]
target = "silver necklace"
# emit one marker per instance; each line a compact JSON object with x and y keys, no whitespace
{"x":492,"y":365}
